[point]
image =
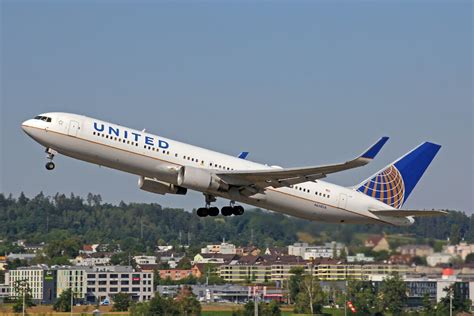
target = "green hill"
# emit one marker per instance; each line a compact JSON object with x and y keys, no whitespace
{"x":138,"y":227}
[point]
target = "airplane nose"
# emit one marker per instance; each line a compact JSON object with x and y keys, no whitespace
{"x":26,"y":126}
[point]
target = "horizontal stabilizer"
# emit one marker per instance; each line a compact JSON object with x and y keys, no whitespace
{"x":243,"y":155}
{"x":405,"y":213}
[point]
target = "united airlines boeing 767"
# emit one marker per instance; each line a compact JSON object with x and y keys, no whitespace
{"x":165,"y":166}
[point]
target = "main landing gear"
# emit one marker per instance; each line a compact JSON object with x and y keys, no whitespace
{"x":50,"y":164}
{"x":214,"y":211}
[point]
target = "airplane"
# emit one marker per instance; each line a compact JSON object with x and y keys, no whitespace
{"x":166,"y":166}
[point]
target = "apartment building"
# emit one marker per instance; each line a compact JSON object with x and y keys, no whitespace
{"x":324,"y":269}
{"x":71,"y":278}
{"x":31,"y":277}
{"x":105,"y":282}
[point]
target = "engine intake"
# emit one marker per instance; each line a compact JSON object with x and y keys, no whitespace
{"x":200,"y":180}
{"x":159,"y":187}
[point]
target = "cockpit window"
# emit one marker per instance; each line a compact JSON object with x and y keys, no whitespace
{"x":43,"y":118}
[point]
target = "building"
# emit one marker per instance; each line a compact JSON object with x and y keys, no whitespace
{"x":359,"y":257}
{"x":226,"y":293}
{"x":223,"y":248}
{"x":416,"y":250}
{"x":438,"y":258}
{"x":21,"y":256}
{"x":264,"y":270}
{"x":141,"y":260}
{"x":34,"y":248}
{"x":166,"y":248}
{"x":400,"y":259}
{"x":461,"y":250}
{"x":171,"y":258}
{"x":175,"y":274}
{"x":213,"y":258}
{"x":377,"y":243}
{"x":93,"y":259}
{"x":32,"y":277}
{"x":4,"y":292}
{"x":3,"y":262}
{"x":104,"y":282}
{"x":71,"y":278}
{"x":328,"y":250}
{"x":89,"y":249}
{"x":248,"y":251}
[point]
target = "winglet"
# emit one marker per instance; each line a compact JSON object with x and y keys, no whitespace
{"x":243,"y":155}
{"x":374,"y":149}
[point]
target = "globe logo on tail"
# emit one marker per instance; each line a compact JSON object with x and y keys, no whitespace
{"x":387,"y":187}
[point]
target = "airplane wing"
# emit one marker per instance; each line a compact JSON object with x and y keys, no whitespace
{"x":405,"y":213}
{"x":290,"y":176}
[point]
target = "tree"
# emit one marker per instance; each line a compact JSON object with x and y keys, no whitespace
{"x":393,"y":293}
{"x":184,"y":264}
{"x":187,"y":302}
{"x":363,"y":297}
{"x":455,"y":236}
{"x":419,"y":261}
{"x":121,"y":302}
{"x":309,"y":297}
{"x":470,"y":258}
{"x":162,"y":306}
{"x":23,"y":289}
{"x":295,"y":281}
{"x":428,"y":305}
{"x":120,"y":258}
{"x":249,"y":308}
{"x":63,"y":303}
{"x":460,"y":303}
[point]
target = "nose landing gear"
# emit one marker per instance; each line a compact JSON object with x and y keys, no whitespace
{"x":50,"y":155}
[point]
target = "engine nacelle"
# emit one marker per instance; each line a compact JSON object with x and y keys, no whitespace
{"x":200,"y":180}
{"x":159,"y":187}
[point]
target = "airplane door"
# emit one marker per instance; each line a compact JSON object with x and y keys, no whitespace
{"x":73,"y":128}
{"x":342,"y":200}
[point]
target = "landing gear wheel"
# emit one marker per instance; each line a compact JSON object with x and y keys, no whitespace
{"x":202,"y":212}
{"x":226,"y":211}
{"x":213,"y":211}
{"x":50,"y":165}
{"x":238,"y":210}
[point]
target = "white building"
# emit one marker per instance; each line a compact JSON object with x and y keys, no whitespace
{"x":223,"y":248}
{"x":438,"y":258}
{"x":104,"y":282}
{"x":359,"y":257}
{"x":90,"y":261}
{"x":21,"y":256}
{"x":32,"y":276}
{"x":164,"y":248}
{"x":461,"y":250}
{"x":71,"y":278}
{"x":145,"y":259}
{"x":328,"y":250}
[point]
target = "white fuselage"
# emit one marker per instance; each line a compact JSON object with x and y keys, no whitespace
{"x":156,"y":157}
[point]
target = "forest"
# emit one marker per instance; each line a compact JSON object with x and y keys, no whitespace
{"x":139,"y":227}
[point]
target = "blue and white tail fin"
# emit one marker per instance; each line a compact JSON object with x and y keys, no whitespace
{"x":393,"y":184}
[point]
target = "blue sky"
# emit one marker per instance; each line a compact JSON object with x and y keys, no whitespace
{"x":294,"y":83}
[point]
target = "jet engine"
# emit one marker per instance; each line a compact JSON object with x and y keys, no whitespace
{"x":200,"y":180}
{"x":160,"y":187}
